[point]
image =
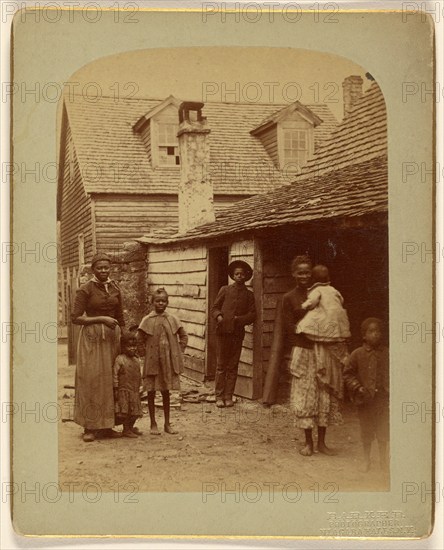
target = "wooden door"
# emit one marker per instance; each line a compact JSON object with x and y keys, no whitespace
{"x":217,"y":277}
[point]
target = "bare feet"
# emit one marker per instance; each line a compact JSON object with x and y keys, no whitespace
{"x":169,"y":430}
{"x":325,"y":450}
{"x":220,"y":404}
{"x":154,"y":430}
{"x":306,"y":451}
{"x":129,"y":433}
{"x":229,"y":403}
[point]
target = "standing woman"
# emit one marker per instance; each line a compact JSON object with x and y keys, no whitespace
{"x":98,"y":308}
{"x":315,"y":404}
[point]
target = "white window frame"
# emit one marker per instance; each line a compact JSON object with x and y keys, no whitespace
{"x":300,"y":126}
{"x":155,"y":145}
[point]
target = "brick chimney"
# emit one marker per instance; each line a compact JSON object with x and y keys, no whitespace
{"x":352,"y":91}
{"x":195,"y":188}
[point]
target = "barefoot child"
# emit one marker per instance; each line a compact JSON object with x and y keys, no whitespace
{"x":126,"y":380}
{"x":233,"y":309}
{"x":367,"y":379}
{"x":165,"y":340}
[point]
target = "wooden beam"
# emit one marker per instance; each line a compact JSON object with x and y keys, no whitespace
{"x":93,"y":225}
{"x":257,"y":327}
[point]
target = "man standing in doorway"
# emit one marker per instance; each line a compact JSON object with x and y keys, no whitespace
{"x":233,"y":309}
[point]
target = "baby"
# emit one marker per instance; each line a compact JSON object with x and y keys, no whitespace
{"x":326,"y":320}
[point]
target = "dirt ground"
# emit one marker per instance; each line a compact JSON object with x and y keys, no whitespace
{"x":248,"y":446}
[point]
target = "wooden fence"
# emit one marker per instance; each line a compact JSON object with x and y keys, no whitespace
{"x":69,"y":283}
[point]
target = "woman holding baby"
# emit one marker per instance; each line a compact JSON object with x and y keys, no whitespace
{"x":316,"y":326}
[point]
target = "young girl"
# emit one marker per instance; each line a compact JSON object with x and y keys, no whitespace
{"x":126,"y":381}
{"x":326,"y":319}
{"x":165,"y":340}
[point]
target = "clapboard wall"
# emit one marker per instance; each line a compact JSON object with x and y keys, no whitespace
{"x":75,"y":209}
{"x":119,"y":218}
{"x":277,"y":280}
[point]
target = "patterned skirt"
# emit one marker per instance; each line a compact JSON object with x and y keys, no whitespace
{"x":317,"y":386}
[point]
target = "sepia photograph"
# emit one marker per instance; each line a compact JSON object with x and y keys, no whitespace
{"x":223,"y":276}
{"x":231,"y":286}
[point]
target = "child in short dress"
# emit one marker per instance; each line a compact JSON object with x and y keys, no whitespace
{"x":126,"y":380}
{"x":165,"y":340}
{"x":367,"y":380}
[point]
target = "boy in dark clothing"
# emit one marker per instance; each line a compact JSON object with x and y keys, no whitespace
{"x":233,"y":310}
{"x":367,"y":379}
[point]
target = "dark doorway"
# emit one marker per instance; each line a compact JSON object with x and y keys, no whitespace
{"x":357,"y":259}
{"x":217,"y":277}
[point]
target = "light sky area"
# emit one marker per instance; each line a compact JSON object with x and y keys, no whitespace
{"x":222,"y":74}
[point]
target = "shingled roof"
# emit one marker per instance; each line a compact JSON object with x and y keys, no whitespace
{"x":361,"y":136}
{"x":103,"y":137}
{"x":357,"y":190}
{"x":347,"y":178}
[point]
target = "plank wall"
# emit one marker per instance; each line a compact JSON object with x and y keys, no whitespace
{"x":182,"y":271}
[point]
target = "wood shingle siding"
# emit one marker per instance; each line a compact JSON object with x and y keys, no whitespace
{"x":145,"y":135}
{"x":269,"y":140}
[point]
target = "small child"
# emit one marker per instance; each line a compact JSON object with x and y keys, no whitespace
{"x":165,"y":340}
{"x":126,"y":381}
{"x":326,"y":320}
{"x":233,"y":309}
{"x":367,"y":380}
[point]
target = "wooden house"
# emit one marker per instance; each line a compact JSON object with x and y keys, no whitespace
{"x":336,"y":211}
{"x":119,"y":163}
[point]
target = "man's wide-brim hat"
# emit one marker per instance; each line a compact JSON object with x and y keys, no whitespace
{"x":239,"y":263}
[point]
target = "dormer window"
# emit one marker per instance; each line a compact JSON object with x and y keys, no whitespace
{"x":295,"y":144}
{"x":288,"y":136}
{"x":158,"y":131}
{"x":168,"y":144}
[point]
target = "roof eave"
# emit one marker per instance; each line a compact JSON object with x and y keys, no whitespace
{"x":379,"y":217}
{"x":61,"y":163}
{"x":281,"y":115}
{"x":170,"y":100}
